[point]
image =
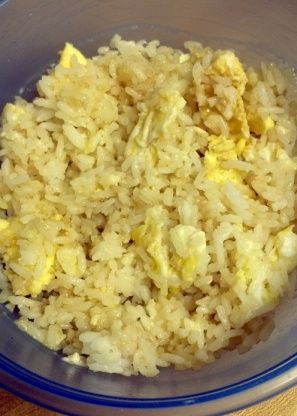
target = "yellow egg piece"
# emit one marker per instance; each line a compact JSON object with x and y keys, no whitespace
{"x":221,"y":149}
{"x":155,"y":121}
{"x":67,"y":257}
{"x":12,"y":112}
{"x":227,"y":64}
{"x":190,"y":247}
{"x":286,"y":247}
{"x":258,"y":125}
{"x":4,"y":224}
{"x":40,"y":283}
{"x":186,"y":267}
{"x":7,"y":233}
{"x":68,"y":53}
{"x":238,"y":125}
{"x":149,"y":236}
{"x":24,"y":281}
{"x":174,"y":291}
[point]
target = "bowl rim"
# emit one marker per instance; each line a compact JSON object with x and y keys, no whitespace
{"x":261,"y":381}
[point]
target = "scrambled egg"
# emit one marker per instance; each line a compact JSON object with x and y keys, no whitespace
{"x":252,"y":272}
{"x":4,"y":224}
{"x":150,"y":236}
{"x":67,"y":55}
{"x":188,"y":242}
{"x":259,"y":125}
{"x":40,"y":282}
{"x":190,"y":246}
{"x":155,"y":120}
{"x":228,"y":65}
{"x":12,"y":112}
{"x":21,"y":275}
{"x":258,"y":274}
{"x":68,"y":257}
{"x":285,"y":248}
{"x":221,"y":149}
{"x":242,"y":122}
{"x":238,"y":125}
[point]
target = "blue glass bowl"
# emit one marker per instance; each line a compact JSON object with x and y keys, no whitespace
{"x":30,"y":34}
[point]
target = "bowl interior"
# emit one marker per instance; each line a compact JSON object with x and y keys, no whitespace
{"x":30,"y":37}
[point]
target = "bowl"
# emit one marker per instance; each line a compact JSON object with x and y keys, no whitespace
{"x":31,"y":32}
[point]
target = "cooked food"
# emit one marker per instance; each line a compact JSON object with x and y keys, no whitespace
{"x":147,"y":205}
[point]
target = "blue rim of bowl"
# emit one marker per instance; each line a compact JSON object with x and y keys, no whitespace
{"x":41,"y":383}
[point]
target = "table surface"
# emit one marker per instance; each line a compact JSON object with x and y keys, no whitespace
{"x":282,"y":405}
